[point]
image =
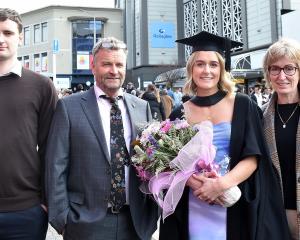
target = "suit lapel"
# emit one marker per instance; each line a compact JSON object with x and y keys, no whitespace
{"x":91,"y":110}
{"x":131,"y":107}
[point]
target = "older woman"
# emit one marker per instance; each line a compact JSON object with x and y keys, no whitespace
{"x":282,"y":125}
{"x":237,"y":133}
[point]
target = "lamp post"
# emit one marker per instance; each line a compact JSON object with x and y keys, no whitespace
{"x":94,"y":25}
{"x":95,"y":40}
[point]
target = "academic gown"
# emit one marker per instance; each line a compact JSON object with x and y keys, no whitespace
{"x":259,"y":214}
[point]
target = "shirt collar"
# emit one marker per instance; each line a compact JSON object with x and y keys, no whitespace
{"x":16,"y":69}
{"x":99,"y":92}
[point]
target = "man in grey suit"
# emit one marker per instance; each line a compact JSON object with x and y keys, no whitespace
{"x":79,"y":163}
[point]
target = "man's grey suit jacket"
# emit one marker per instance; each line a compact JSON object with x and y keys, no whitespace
{"x":78,"y":169}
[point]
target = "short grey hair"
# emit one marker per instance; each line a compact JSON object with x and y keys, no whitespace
{"x":111,"y":43}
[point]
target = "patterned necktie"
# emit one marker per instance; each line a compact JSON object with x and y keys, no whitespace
{"x":119,"y":157}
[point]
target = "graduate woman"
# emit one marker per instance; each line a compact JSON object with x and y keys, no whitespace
{"x":237,"y":133}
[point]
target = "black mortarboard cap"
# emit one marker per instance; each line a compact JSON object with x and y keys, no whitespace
{"x":205,"y":41}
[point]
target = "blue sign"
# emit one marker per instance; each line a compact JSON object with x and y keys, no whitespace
{"x":162,"y":35}
{"x":55,"y":46}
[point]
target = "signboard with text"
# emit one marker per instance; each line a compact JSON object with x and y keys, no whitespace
{"x":162,"y":35}
{"x":55,"y":46}
{"x":61,"y":83}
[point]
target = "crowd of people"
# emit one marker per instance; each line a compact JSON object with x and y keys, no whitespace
{"x":67,"y":161}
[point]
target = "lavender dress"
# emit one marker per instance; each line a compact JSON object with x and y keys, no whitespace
{"x":208,"y":222}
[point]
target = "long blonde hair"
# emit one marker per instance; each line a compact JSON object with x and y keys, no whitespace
{"x":224,"y":83}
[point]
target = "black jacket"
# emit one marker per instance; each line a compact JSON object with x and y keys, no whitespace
{"x":157,"y":108}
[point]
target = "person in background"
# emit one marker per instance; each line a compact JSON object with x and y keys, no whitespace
{"x":170,"y":92}
{"x":256,"y":96}
{"x":177,"y":97}
{"x":27,"y":103}
{"x":282,"y":124}
{"x":185,"y":98}
{"x":79,"y":88}
{"x":92,"y":190}
{"x":133,"y":92}
{"x":250,"y":91}
{"x":151,"y":95}
{"x":267,"y":94}
{"x":130,"y":87}
{"x":167,"y":102}
{"x":237,"y":133}
{"x":66,"y":92}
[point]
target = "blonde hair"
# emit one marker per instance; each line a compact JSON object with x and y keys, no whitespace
{"x":224,"y":83}
{"x":283,"y":48}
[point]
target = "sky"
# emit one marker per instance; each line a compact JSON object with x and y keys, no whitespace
{"x":29,"y":5}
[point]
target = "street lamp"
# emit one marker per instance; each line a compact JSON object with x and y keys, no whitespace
{"x":95,"y":40}
{"x":94,"y":28}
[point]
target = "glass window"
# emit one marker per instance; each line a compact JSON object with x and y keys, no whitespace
{"x":26,"y":62}
{"x":37,"y":33}
{"x":85,"y":29}
{"x":37,"y":62}
{"x":82,"y":43}
{"x":26,"y":36}
{"x":44,"y":32}
{"x":44,"y":64}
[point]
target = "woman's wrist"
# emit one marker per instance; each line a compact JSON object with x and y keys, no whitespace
{"x":223,"y":184}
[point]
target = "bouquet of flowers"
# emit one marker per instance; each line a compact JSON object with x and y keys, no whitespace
{"x":168,"y":153}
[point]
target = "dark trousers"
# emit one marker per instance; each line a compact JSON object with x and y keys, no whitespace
{"x":28,"y":224}
{"x":112,"y":227}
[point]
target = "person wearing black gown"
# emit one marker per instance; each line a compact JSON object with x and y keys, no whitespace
{"x":259,"y":213}
{"x":282,"y":123}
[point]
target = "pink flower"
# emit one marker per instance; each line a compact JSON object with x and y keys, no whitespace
{"x":143,"y":174}
{"x":166,"y":127}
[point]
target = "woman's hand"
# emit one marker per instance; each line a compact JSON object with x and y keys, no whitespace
{"x":212,"y":188}
{"x":193,"y":182}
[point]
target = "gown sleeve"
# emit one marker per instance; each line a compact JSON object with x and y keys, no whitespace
{"x":259,"y":214}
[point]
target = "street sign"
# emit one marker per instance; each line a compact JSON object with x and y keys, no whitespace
{"x":55,"y":46}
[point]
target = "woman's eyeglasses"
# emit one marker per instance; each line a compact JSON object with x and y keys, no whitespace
{"x":288,"y":70}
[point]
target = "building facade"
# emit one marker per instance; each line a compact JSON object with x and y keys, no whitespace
{"x":58,"y":41}
{"x":256,"y":23}
{"x":150,"y":32}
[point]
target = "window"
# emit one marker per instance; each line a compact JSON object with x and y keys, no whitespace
{"x":37,"y":62}
{"x":85,"y":29}
{"x":44,"y":64}
{"x":26,"y":36}
{"x":26,"y":62}
{"x":44,"y":32}
{"x":37,"y":33}
{"x":82,"y":43}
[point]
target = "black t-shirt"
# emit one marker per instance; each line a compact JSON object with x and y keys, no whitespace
{"x":286,"y":149}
